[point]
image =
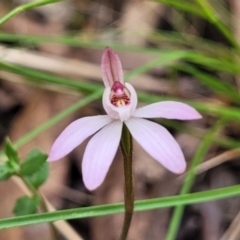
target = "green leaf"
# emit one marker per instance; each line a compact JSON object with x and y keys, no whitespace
{"x":33,"y":162}
{"x":11,"y":166}
{"x":11,"y":153}
{"x":26,"y":205}
{"x":39,"y":177}
{"x":5,"y":172}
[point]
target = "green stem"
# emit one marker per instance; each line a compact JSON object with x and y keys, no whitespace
{"x":127,"y":149}
{"x":25,"y":7}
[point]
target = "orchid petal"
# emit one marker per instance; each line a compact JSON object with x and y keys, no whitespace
{"x":158,"y":142}
{"x":107,"y":105}
{"x":134,"y":98}
{"x":167,"y":109}
{"x":75,"y":134}
{"x":111,"y":68}
{"x":122,"y":112}
{"x":99,"y":154}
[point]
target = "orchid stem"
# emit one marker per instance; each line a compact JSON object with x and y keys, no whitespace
{"x":127,"y":149}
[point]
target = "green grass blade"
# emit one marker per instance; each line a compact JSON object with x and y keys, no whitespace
{"x":226,"y":64}
{"x":184,"y":6}
{"x":212,"y":17}
{"x":204,"y":10}
{"x":108,"y":209}
{"x":189,"y":180}
{"x":216,"y":85}
{"x":223,"y":141}
{"x":72,"y":41}
{"x":57,"y":118}
{"x":231,"y":113}
{"x":165,"y":59}
{"x":25,"y":7}
{"x":41,"y":77}
{"x":180,"y":40}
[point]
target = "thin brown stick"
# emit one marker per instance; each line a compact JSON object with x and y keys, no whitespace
{"x":233,"y":232}
{"x":221,"y":158}
{"x":62,"y":226}
{"x":215,"y":161}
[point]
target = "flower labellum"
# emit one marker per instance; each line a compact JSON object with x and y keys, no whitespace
{"x":120,"y":102}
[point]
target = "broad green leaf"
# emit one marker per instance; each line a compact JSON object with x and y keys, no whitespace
{"x":11,"y":166}
{"x":26,"y":205}
{"x":5,"y":172}
{"x":33,"y":162}
{"x":39,"y":177}
{"x":11,"y":152}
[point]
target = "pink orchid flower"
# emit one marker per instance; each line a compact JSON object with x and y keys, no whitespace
{"x":120,"y":102}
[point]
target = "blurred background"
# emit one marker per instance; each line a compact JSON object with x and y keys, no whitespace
{"x":71,"y":36}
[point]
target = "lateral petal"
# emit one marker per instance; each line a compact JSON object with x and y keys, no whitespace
{"x":167,"y":109}
{"x":158,"y":142}
{"x":75,"y":134}
{"x":99,"y":154}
